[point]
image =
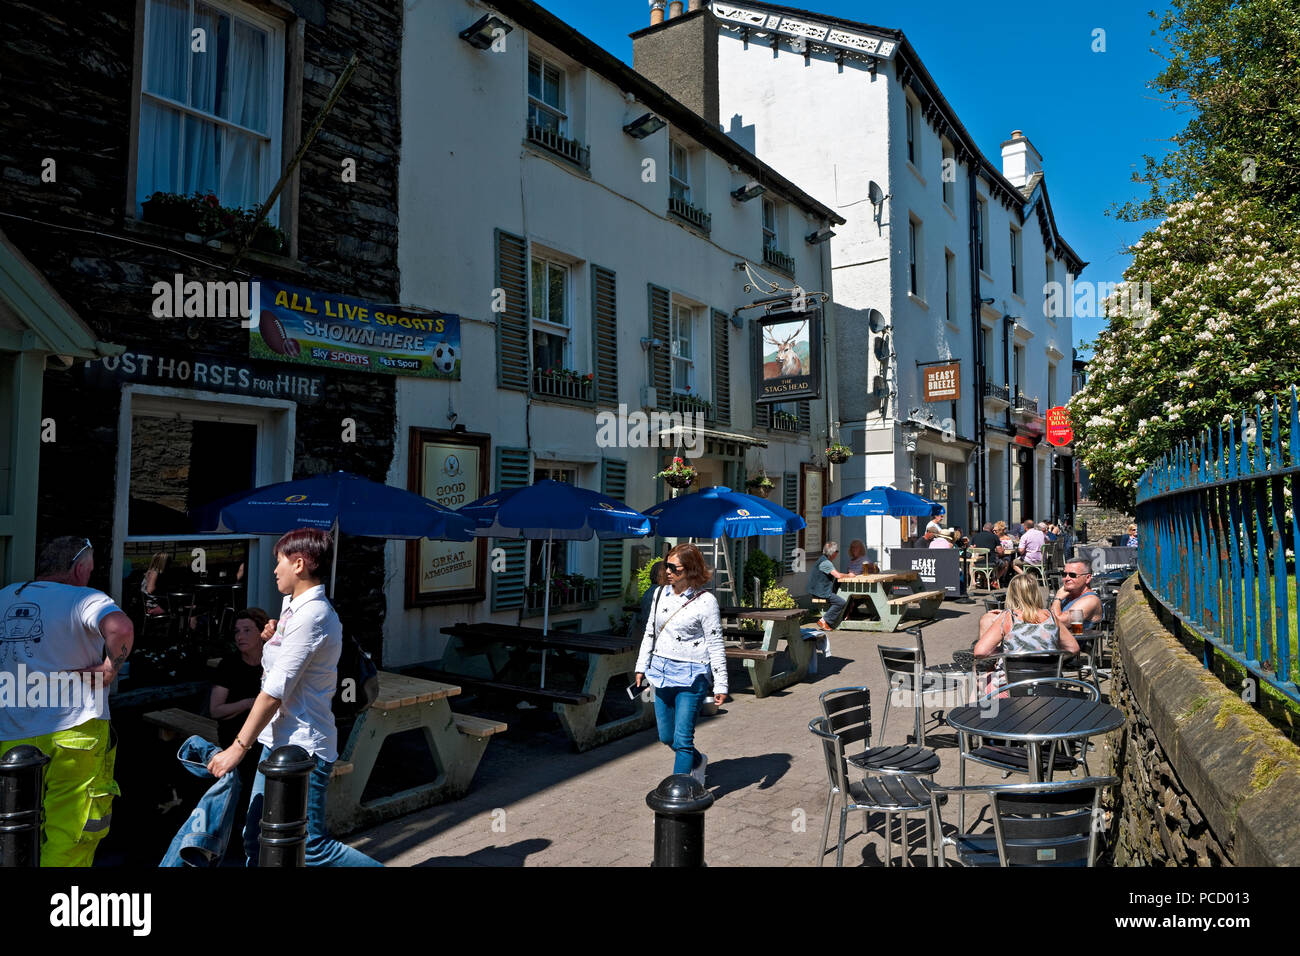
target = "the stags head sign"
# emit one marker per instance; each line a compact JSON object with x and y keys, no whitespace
{"x":788,"y":356}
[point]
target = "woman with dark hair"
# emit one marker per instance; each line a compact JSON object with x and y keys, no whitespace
{"x":299,"y":676}
{"x":682,"y":654}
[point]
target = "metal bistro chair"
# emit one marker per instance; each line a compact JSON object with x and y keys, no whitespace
{"x":979,"y":564}
{"x":848,"y":710}
{"x":898,"y":793}
{"x":907,"y":672}
{"x":1034,"y":824}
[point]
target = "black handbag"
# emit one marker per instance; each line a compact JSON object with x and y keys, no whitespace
{"x":358,"y":685}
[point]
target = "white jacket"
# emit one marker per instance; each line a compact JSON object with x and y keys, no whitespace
{"x":689,"y":628}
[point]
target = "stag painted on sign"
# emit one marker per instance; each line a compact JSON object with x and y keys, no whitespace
{"x":789,"y":352}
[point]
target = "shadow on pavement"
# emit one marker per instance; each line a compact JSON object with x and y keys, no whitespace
{"x":736,"y":773}
{"x":513,"y":855}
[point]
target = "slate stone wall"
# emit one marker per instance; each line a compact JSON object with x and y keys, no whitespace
{"x":66,"y":95}
{"x":1205,"y":779}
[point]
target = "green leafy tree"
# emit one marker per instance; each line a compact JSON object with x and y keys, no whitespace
{"x":1234,"y":65}
{"x":1223,"y":334}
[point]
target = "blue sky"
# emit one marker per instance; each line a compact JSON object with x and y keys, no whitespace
{"x":1014,"y":66}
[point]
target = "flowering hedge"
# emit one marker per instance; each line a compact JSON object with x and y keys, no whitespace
{"x":1222,"y":334}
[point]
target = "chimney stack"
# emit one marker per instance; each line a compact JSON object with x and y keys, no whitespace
{"x":656,"y":12}
{"x":1019,"y":159}
{"x":695,"y":5}
{"x":675,"y":8}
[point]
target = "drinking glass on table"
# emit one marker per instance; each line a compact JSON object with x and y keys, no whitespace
{"x":1076,"y":621}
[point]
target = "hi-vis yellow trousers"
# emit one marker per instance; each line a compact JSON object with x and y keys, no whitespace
{"x":79,"y":790}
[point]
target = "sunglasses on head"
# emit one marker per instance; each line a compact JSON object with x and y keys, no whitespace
{"x":674,"y":568}
{"x":77,"y":556}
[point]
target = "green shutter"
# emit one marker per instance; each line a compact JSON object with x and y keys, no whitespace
{"x":512,"y":465}
{"x":661,"y":371}
{"x":721,"y":368}
{"x":604,"y":332}
{"x":805,"y":416}
{"x":789,"y":500}
{"x":512,"y":324}
{"x":762,"y":413}
{"x":613,"y":482}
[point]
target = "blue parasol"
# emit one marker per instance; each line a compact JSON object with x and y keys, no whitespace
{"x":882,"y":500}
{"x":717,"y":512}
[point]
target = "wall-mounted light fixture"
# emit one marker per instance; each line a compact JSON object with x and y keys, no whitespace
{"x":748,"y":191}
{"x":484,"y":30}
{"x":821,"y":235}
{"x":644,"y":126}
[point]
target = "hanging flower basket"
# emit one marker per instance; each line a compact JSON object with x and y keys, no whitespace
{"x":678,"y":474}
{"x":760,"y":485}
{"x":838,"y":454}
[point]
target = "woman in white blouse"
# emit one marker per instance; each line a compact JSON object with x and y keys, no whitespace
{"x":682,"y":655}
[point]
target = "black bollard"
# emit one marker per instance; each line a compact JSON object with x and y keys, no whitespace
{"x":22,"y":780}
{"x":284,"y":807}
{"x":679,"y":803}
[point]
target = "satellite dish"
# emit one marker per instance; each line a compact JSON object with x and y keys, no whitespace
{"x":878,"y":386}
{"x":875,"y":321}
{"x":879,"y":346}
{"x":876,"y":193}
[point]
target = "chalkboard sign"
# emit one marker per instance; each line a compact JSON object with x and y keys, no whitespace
{"x":938,"y":568}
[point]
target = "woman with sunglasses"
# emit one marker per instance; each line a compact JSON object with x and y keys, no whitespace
{"x":682,"y":655}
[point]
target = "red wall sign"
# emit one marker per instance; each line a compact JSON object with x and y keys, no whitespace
{"x":1059,"y":431}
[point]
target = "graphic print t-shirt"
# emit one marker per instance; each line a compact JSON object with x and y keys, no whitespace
{"x":48,"y":630}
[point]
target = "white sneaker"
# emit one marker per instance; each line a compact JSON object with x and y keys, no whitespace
{"x":698,"y":772}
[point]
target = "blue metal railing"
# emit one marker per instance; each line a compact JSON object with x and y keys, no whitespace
{"x":1217,"y":536}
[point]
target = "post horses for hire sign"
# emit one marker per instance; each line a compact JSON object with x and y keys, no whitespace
{"x":338,"y":331}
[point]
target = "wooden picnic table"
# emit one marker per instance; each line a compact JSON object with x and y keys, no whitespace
{"x":484,"y":655}
{"x":456,"y":743}
{"x":757,"y":656}
{"x":877,"y":590}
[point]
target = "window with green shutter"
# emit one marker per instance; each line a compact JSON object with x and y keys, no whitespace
{"x":604,"y":332}
{"x":721,"y":368}
{"x":512,"y":465}
{"x":512,"y":323}
{"x":613,"y":482}
{"x":661,"y":372}
{"x":789,"y":500}
{"x":805,"y":416}
{"x":762,"y":413}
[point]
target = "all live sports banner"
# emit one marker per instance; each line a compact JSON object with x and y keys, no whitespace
{"x":326,"y":330}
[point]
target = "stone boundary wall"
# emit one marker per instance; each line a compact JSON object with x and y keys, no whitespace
{"x":1206,"y":780}
{"x":1102,"y":523}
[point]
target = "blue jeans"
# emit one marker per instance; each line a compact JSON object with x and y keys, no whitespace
{"x":675,"y":711}
{"x":835,"y":608}
{"x":202,"y":838}
{"x":322,"y":849}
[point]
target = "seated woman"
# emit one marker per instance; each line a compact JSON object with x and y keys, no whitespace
{"x":239,"y":676}
{"x":1005,"y":556}
{"x":1025,"y":626}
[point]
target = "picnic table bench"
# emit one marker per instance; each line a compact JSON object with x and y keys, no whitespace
{"x":485,"y":655}
{"x":173,"y":723}
{"x":757,"y":654}
{"x":456,"y":743}
{"x":881,"y":595}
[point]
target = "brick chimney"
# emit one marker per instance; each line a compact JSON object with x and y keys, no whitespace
{"x":1019,"y":159}
{"x":680,"y":55}
{"x":656,"y":12}
{"x":675,"y":9}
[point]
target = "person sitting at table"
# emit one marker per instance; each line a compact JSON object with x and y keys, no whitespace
{"x":1023,"y":626}
{"x":821,"y":583}
{"x":857,"y":556}
{"x":682,"y":654}
{"x":238,"y":677}
{"x":1007,"y":552}
{"x":943,"y":539}
{"x":1076,"y":594}
{"x":1132,"y":541}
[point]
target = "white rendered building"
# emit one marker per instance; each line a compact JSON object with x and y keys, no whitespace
{"x":943,"y":259}
{"x":596,"y":263}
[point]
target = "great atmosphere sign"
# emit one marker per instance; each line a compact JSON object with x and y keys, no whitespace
{"x":338,"y":331}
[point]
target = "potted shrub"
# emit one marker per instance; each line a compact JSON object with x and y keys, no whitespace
{"x":168,"y":209}
{"x":760,"y":484}
{"x":838,"y":454}
{"x":678,"y":474}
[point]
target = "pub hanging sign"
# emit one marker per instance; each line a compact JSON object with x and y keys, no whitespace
{"x":943,"y":382}
{"x":788,"y":356}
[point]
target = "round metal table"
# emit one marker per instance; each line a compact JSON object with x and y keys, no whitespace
{"x":1036,"y":721}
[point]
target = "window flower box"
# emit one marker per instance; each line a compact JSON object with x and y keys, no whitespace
{"x":564,"y":383}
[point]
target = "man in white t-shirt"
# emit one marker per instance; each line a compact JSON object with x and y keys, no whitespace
{"x":61,"y":646}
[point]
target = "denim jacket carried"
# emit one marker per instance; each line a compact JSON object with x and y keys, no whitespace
{"x":202,"y":839}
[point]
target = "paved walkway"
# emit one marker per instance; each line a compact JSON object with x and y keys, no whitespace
{"x":536,"y":803}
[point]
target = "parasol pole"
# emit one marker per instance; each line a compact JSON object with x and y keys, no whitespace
{"x":546,"y":606}
{"x":334,"y":565}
